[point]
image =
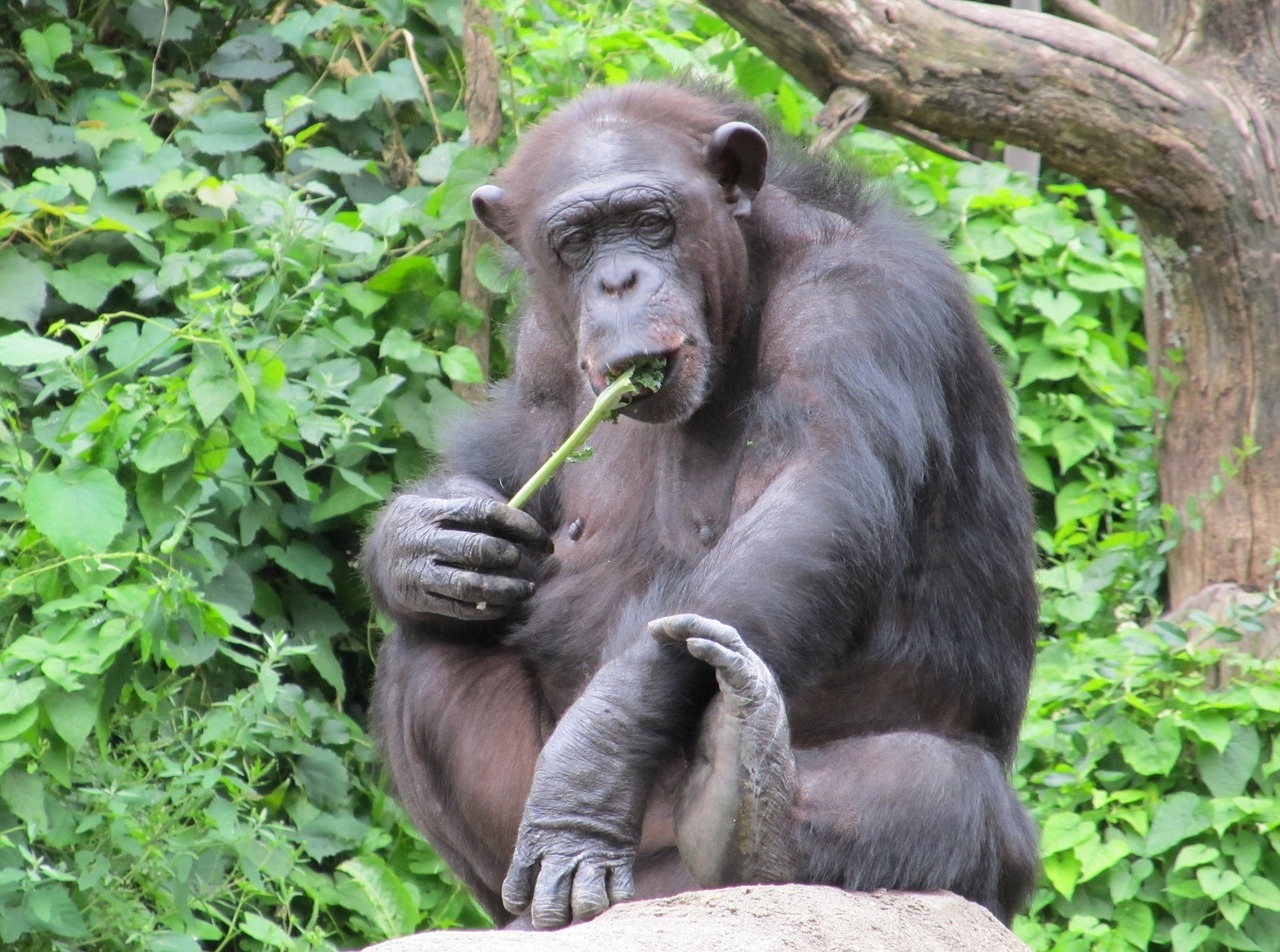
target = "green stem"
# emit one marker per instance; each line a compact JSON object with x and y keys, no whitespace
{"x":610,"y":399}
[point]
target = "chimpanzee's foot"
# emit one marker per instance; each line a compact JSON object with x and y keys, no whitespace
{"x":735,"y":816}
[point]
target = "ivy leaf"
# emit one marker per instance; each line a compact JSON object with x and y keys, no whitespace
{"x":461,"y":364}
{"x":303,"y":560}
{"x":44,"y":47}
{"x":72,"y":715}
{"x":1178,"y":817}
{"x":87,"y":282}
{"x":77,"y":510}
{"x":21,"y":349}
{"x":25,"y":288}
{"x":212,"y":384}
{"x":162,"y":447}
{"x":1216,"y":883}
{"x":323,"y":778}
{"x":224,"y":131}
{"x":1057,"y":306}
{"x":42,"y":137}
{"x":1227,"y":773}
{"x":255,"y":57}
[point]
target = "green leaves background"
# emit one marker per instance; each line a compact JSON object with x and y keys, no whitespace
{"x":229,"y":261}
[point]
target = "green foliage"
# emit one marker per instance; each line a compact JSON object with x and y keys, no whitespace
{"x":229,"y":242}
{"x":1157,"y":794}
{"x":228,"y":326}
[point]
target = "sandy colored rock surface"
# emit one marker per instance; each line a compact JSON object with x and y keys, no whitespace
{"x":755,"y":919}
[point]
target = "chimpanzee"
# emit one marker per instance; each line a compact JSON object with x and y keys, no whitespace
{"x":779,"y":627}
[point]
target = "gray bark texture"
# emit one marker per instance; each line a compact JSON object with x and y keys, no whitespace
{"x":754,"y":919}
{"x":484,"y":123}
{"x":1174,"y":107}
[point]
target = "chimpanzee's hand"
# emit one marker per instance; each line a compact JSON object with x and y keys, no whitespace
{"x":576,"y":848}
{"x":458,"y":557}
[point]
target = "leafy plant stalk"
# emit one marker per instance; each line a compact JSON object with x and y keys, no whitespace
{"x":607,"y":404}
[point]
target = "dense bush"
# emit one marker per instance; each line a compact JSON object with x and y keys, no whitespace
{"x":1157,"y":794}
{"x":229,"y":247}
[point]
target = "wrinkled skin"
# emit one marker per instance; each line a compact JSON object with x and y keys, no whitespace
{"x":779,"y":627}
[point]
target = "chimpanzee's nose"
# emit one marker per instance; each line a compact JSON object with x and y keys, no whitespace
{"x":617,"y":279}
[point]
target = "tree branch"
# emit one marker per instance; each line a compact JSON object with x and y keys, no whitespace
{"x":1086,"y":12}
{"x":1093,"y":105}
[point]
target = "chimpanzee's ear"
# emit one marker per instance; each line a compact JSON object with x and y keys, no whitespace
{"x":489,"y":202}
{"x":737,"y":155}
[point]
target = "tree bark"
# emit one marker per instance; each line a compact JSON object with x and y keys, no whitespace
{"x":484,"y":123}
{"x":1189,"y":137}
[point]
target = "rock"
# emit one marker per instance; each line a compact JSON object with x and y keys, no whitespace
{"x":755,"y":919}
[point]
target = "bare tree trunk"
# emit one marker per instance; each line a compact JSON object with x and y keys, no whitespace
{"x":484,"y":121}
{"x":1189,"y":137}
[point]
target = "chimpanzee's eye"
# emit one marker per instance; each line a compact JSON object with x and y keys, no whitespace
{"x":573,"y":245}
{"x":653,"y":227}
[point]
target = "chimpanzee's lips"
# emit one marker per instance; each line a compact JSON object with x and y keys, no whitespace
{"x":667,"y":361}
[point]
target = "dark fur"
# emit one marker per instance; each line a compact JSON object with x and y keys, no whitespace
{"x":846,"y":494}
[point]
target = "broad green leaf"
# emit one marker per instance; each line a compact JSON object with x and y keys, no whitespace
{"x":1153,"y":753}
{"x":323,"y":778}
{"x":25,"y":796}
{"x":224,"y":131}
{"x":1226,"y":774}
{"x":387,"y":901}
{"x":1063,"y":872}
{"x":44,"y":47}
{"x":1196,"y":855}
{"x":1212,"y":727}
{"x":42,"y":137}
{"x":254,"y":57}
{"x":212,"y":384}
{"x":1216,"y":883}
{"x":1064,"y":831}
{"x":78,"y":510}
{"x":411,"y":273}
{"x":1099,"y":856}
{"x":460,"y":364}
{"x":1178,"y":817}
{"x":303,"y":560}
{"x":1097,"y":281}
{"x":87,"y":282}
{"x":72,"y":714}
{"x":1135,"y":921}
{"x":51,"y":906}
{"x":21,"y":349}
{"x":1261,"y":892}
{"x":163,"y":446}
{"x":266,"y":932}
{"x":1047,"y":365}
{"x":1057,"y":306}
{"x":19,"y":695}
{"x":25,"y":288}
{"x":1187,"y":937}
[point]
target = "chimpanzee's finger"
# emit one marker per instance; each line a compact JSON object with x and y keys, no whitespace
{"x":551,"y":896}
{"x":590,"y":895}
{"x":517,"y":888}
{"x":472,"y":550}
{"x":480,"y":512}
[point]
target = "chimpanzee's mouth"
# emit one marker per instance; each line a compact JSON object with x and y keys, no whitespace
{"x":648,"y":375}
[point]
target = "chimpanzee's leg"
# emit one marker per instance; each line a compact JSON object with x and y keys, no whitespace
{"x":460,"y":729}
{"x":906,"y":810}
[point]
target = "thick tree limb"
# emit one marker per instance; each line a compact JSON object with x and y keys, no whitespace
{"x":484,"y":123}
{"x":1092,"y":104}
{"x":1086,"y":12}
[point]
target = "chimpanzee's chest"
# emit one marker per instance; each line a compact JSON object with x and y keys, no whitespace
{"x":638,"y":515}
